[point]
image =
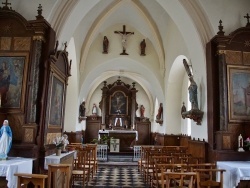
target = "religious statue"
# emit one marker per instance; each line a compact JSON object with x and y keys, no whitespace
{"x":142,"y":110}
{"x":240,"y":143}
{"x":124,"y":36}
{"x":105,"y":45}
{"x":94,"y":110}
{"x":143,"y":47}
{"x":160,"y":112}
{"x":194,"y":114}
{"x":82,"y":109}
{"x":5,"y":140}
{"x":183,"y":109}
{"x":65,"y":143}
{"x":193,"y":93}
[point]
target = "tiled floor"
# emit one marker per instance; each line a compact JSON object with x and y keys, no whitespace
{"x":116,"y":177}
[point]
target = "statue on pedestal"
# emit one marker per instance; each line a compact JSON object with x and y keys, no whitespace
{"x":194,"y":114}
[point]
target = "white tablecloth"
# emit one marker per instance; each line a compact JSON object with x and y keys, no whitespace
{"x":117,"y":131}
{"x":53,"y":159}
{"x":15,"y":165}
{"x":235,"y":171}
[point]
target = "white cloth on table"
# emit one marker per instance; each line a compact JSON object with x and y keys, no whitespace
{"x":117,"y":131}
{"x":235,"y":171}
{"x":53,"y":159}
{"x":15,"y":165}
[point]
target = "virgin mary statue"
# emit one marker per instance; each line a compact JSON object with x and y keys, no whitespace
{"x":5,"y":140}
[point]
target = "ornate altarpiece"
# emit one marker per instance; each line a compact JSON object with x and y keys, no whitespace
{"x":38,"y":80}
{"x":227,"y":79}
{"x":118,"y":105}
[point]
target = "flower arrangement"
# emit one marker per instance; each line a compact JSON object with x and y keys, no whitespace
{"x":59,"y":142}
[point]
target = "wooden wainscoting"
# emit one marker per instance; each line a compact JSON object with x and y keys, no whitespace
{"x":74,"y":137}
{"x":198,"y":149}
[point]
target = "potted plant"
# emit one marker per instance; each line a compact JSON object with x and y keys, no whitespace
{"x":103,"y":140}
{"x":59,"y":142}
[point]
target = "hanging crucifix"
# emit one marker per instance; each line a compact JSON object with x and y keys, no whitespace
{"x":124,"y":35}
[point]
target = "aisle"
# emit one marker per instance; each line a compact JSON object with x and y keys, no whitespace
{"x":116,"y":176}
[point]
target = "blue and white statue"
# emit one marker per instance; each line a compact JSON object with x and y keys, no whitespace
{"x":5,"y":140}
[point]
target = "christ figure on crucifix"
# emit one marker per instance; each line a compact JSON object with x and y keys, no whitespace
{"x":124,"y":39}
{"x":124,"y":36}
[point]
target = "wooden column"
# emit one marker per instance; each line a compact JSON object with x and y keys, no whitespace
{"x":133,"y":105}
{"x":104,"y":103}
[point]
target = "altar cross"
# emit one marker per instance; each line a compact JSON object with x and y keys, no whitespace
{"x":6,"y":4}
{"x":247,"y":17}
{"x":124,"y":35}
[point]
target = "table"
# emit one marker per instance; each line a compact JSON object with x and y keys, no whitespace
{"x":64,"y":158}
{"x":117,"y":132}
{"x":235,"y":171}
{"x":127,"y":138}
{"x":15,"y":165}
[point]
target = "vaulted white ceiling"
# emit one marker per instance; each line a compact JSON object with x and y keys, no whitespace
{"x":174,"y":29}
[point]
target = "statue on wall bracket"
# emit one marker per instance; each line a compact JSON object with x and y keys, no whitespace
{"x":194,"y":114}
{"x":82,"y":111}
{"x":159,"y":116}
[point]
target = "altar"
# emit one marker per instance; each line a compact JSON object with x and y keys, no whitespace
{"x":64,"y":158}
{"x":127,"y":138}
{"x":235,"y":172}
{"x":15,"y":165}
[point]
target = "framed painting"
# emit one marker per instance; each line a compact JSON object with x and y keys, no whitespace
{"x":239,"y":93}
{"x":56,"y":102}
{"x":13,"y":68}
{"x":118,"y":103}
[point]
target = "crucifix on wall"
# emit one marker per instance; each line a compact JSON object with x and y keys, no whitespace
{"x":124,"y":35}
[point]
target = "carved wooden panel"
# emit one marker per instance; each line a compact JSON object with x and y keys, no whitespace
{"x":5,"y":43}
{"x":22,"y":43}
{"x":233,"y":57}
{"x":28,"y":135}
{"x":246,"y":58}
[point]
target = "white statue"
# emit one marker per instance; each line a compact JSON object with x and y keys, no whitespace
{"x":240,"y":143}
{"x":5,"y":140}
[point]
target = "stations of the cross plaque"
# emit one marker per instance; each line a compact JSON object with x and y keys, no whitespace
{"x":124,"y":34}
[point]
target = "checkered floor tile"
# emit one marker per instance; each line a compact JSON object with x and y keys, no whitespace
{"x":116,"y":177}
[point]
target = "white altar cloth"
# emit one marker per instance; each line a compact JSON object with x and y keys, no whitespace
{"x":117,"y":131}
{"x":235,"y":171}
{"x":53,"y":159}
{"x":15,"y":165}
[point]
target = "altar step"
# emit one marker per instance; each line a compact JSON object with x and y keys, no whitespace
{"x":120,"y":158}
